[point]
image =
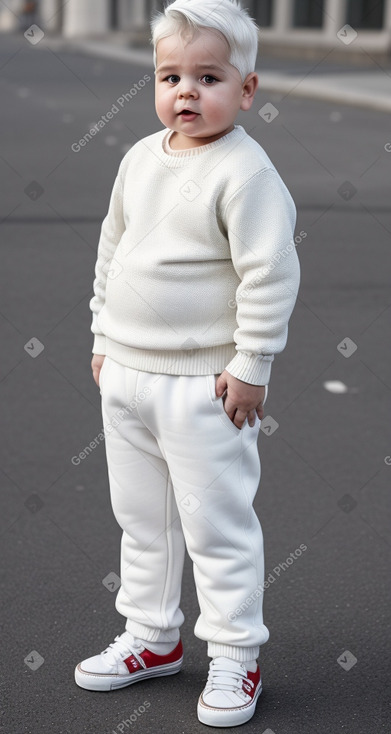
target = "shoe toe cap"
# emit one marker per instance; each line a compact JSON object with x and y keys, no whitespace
{"x":97,"y":665}
{"x":224,"y":699}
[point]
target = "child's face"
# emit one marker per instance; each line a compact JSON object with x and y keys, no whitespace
{"x":196,"y":75}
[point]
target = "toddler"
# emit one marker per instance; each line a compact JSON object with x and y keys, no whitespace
{"x":196,"y":279}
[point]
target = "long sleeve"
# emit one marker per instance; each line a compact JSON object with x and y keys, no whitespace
{"x":113,"y":227}
{"x":192,"y":281}
{"x":260,"y":219}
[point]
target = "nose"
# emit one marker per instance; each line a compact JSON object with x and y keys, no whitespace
{"x":187,"y":88}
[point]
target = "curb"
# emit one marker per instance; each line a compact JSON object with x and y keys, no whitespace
{"x":323,"y":89}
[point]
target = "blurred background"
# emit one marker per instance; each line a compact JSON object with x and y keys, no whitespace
{"x":289,"y":27}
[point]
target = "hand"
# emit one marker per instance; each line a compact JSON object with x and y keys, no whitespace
{"x":96,"y":366}
{"x":242,"y":399}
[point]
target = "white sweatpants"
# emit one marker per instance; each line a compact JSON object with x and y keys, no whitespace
{"x":181,"y":472}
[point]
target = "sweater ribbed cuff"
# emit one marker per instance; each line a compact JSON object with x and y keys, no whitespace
{"x":99,"y":346}
{"x":241,"y":654}
{"x":252,"y":368}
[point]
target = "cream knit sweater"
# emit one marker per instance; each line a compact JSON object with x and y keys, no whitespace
{"x":197,"y":271}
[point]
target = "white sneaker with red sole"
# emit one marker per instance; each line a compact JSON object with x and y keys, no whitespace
{"x":230,"y":695}
{"x":125,"y":661}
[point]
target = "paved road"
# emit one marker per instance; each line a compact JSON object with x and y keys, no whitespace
{"x":325,"y":473}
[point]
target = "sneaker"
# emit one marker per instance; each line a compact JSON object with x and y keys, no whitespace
{"x":125,"y":661}
{"x":230,"y":695}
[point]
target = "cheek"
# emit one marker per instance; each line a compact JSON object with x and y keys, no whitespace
{"x":218,"y":104}
{"x":220,"y":98}
{"x":163,"y":98}
{"x":159,"y":103}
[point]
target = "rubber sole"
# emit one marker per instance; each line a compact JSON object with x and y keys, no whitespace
{"x":98,"y":682}
{"x":227,"y":717}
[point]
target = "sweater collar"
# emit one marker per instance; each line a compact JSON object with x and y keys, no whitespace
{"x":176,"y":158}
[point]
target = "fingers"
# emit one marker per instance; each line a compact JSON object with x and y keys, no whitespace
{"x":220,"y":385}
{"x":95,"y":374}
{"x":96,"y":366}
{"x":252,"y":415}
{"x":238,"y":417}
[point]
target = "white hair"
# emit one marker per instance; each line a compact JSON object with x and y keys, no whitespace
{"x":227,"y":16}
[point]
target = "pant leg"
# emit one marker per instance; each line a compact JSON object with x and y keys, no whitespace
{"x":143,"y":502}
{"x":215,"y":470}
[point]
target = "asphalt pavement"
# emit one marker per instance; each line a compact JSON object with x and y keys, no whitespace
{"x":326,"y":463}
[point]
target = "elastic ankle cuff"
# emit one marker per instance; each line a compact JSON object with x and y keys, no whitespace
{"x":152,"y":635}
{"x":241,"y":654}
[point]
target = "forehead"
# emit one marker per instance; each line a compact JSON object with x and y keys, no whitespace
{"x":207,"y":47}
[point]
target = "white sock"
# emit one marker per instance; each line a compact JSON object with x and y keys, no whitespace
{"x":159,"y":648}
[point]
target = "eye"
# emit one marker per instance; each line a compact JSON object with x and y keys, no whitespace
{"x":207,"y":77}
{"x":170,"y":76}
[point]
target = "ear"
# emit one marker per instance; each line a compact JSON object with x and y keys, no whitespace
{"x":250,"y":86}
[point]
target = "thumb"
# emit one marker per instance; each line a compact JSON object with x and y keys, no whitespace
{"x":221,"y":386}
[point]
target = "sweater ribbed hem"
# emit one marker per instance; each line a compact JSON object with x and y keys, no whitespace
{"x":99,"y":345}
{"x":207,"y":361}
{"x":241,"y":654}
{"x":151,"y":635}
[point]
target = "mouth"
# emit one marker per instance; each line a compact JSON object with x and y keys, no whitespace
{"x":188,"y":114}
